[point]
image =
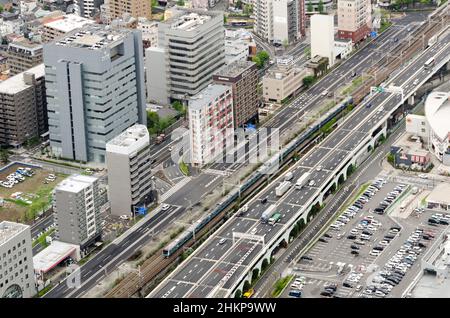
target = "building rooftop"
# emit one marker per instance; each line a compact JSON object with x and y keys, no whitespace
{"x":25,"y":44}
{"x":52,"y":256}
{"x":437,"y":112}
{"x":93,"y":37}
{"x":68,"y":23}
{"x":10,"y":229}
{"x":440,"y":194}
{"x":188,"y":20}
{"x":130,"y":140}
{"x":207,"y":95}
{"x":17,"y":83}
{"x":75,"y":183}
{"x":235,"y":68}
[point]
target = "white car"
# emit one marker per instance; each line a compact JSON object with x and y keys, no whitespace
{"x":165,"y":207}
{"x":423,"y":176}
{"x":125,"y":217}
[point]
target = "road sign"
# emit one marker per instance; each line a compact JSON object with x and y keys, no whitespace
{"x":380,"y":89}
{"x":373,"y":34}
{"x":142,"y":210}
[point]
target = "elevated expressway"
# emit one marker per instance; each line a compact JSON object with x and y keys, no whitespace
{"x":218,"y":270}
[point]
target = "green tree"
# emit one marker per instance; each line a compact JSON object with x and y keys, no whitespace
{"x":320,"y":7}
{"x":154,"y":3}
{"x":180,"y":3}
{"x":264,"y":264}
{"x":224,"y":19}
{"x":238,"y":294}
{"x":4,"y":155}
{"x":178,"y":106}
{"x":308,"y":81}
{"x":248,"y":9}
{"x":285,"y":43}
{"x":1,"y":8}
{"x":246,"y":286}
{"x":257,"y":61}
{"x":310,"y":7}
{"x":153,"y":124}
{"x":238,"y":4}
{"x":255,"y":274}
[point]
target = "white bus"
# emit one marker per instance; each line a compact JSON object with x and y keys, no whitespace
{"x":429,"y":64}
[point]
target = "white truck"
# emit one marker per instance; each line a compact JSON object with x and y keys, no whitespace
{"x":288,"y":176}
{"x":302,"y":181}
{"x":282,"y":188}
{"x":268,"y":213}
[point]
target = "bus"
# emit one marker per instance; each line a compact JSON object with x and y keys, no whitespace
{"x":429,"y":64}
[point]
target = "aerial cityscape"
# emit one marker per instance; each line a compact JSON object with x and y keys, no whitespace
{"x":224,"y":149}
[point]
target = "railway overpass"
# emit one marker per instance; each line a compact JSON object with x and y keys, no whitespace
{"x":218,"y":270}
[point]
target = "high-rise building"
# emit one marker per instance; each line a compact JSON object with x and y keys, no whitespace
{"x":279,"y":21}
{"x":23,"y":55}
{"x":210,"y":123}
{"x":322,"y":37}
{"x":190,"y":50}
{"x":87,"y":8}
{"x":95,"y":89}
{"x":129,"y":171}
{"x":78,"y":202}
{"x":16,"y":261}
{"x":56,"y":28}
{"x":136,"y":8}
{"x":354,"y":19}
{"x":23,"y":107}
{"x":242,"y":76}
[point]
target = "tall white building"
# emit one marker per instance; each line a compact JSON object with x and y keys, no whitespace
{"x":129,"y":171}
{"x":16,"y":261}
{"x":279,"y":21}
{"x":78,"y":202}
{"x":322,"y":37}
{"x":210,"y":123}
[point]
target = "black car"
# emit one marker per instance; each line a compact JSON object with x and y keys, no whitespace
{"x":307,"y":258}
{"x":378,"y":248}
{"x":390,"y":237}
{"x":325,"y":294}
{"x":420,"y":244}
{"x":432,"y":220}
{"x":347,"y":285}
{"x":356,"y":253}
{"x":399,"y":273}
{"x":354,"y":247}
{"x":351,"y":237}
{"x":264,"y":200}
{"x":359,"y":206}
{"x":323,"y":240}
{"x":445,"y":222}
{"x":328,"y":235}
{"x":426,"y":237}
{"x":367,"y":232}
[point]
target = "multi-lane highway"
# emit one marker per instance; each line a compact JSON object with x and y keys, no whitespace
{"x":93,"y":271}
{"x":222,"y":262}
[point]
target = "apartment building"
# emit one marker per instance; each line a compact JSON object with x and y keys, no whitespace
{"x":283,"y":81}
{"x":78,"y":202}
{"x":136,"y":8}
{"x":354,"y":19}
{"x":149,"y":31}
{"x":58,"y":27}
{"x":242,"y":76}
{"x":190,"y":50}
{"x":87,"y":8}
{"x":211,"y":127}
{"x":23,"y":55}
{"x":279,"y":21}
{"x":129,"y":171}
{"x":16,"y":261}
{"x":23,"y":107}
{"x":95,"y":89}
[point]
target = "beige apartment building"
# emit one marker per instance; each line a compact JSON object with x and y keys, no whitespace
{"x":136,"y":8}
{"x":354,"y":19}
{"x":23,"y":55}
{"x":283,"y":81}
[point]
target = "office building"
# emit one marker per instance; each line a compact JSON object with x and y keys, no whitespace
{"x":56,"y":28}
{"x":23,"y":55}
{"x":129,"y":171}
{"x":279,"y":21}
{"x":322,"y":37}
{"x":95,"y":90}
{"x":16,"y":261}
{"x":87,"y":8}
{"x":136,"y":8}
{"x":242,"y":76}
{"x":190,"y":50}
{"x":78,"y":202}
{"x":239,"y":45}
{"x":149,"y":31}
{"x":23,"y":107}
{"x":210,"y":123}
{"x":283,"y":80}
{"x":354,"y":19}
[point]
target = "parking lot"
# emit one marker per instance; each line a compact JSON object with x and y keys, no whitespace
{"x":358,"y":255}
{"x":26,"y":196}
